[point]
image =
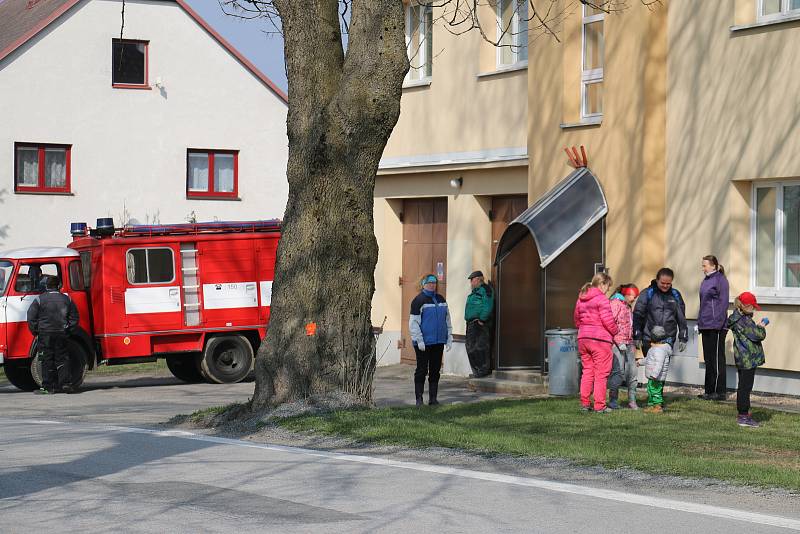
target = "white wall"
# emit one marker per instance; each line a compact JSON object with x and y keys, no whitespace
{"x":129,"y":146}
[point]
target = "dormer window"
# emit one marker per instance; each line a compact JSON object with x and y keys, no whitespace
{"x":129,"y":64}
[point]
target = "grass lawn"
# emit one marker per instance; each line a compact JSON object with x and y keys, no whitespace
{"x":692,"y":438}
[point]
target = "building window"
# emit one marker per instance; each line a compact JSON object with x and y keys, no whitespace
{"x":592,"y":62}
{"x":129,"y":63}
{"x":776,"y":9}
{"x":212,"y":173}
{"x":41,"y":168}
{"x":776,"y":239}
{"x":419,"y":42}
{"x":150,"y":265}
{"x":512,"y":32}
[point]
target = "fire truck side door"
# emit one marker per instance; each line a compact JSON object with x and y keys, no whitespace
{"x":26,"y":286}
{"x":77,"y":292}
{"x":152,"y":289}
{"x":6,"y":268}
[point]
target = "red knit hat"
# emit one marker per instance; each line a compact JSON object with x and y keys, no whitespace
{"x":748,"y":299}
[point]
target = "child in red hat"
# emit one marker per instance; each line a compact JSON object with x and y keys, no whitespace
{"x":748,"y":352}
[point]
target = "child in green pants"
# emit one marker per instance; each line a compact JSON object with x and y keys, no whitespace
{"x":656,"y":365}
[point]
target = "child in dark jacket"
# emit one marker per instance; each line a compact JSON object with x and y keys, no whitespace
{"x":748,"y":352}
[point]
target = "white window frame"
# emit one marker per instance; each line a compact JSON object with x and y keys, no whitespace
{"x":784,"y":12}
{"x":514,"y":29}
{"x":590,"y":76}
{"x":790,"y":295}
{"x":147,"y":265}
{"x":425,"y":17}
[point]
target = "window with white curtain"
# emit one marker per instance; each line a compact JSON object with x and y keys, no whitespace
{"x":198,"y":171}
{"x":419,"y":42}
{"x":592,"y":62}
{"x":512,"y":32}
{"x":212,"y":173}
{"x":777,"y":9}
{"x":43,"y":168}
{"x":775,"y":263}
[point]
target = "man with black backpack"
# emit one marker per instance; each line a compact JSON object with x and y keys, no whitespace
{"x":478,"y":315}
{"x":660,"y":305}
{"x":51,"y":317}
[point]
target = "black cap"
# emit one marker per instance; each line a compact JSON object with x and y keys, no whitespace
{"x":475,"y":274}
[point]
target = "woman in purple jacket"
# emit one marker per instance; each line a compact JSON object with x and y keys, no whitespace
{"x":711,"y":323}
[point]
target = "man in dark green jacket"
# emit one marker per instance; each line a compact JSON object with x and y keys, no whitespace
{"x":478,"y":315}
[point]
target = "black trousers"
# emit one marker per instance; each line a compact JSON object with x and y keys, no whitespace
{"x":429,"y":362}
{"x":55,"y":360}
{"x":479,"y":347}
{"x":746,"y":378}
{"x":714,"y":356}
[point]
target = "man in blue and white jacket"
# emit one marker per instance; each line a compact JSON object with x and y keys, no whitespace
{"x":431,"y":331}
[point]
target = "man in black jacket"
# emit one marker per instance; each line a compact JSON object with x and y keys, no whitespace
{"x":660,"y":305}
{"x":52,"y":316}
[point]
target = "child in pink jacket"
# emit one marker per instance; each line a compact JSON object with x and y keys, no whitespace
{"x":596,"y":331}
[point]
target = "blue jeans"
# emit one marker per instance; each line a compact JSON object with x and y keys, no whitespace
{"x":623,"y":370}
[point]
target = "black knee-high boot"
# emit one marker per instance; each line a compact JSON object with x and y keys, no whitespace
{"x":433,"y":390}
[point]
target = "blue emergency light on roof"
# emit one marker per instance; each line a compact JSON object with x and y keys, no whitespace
{"x":78,"y":229}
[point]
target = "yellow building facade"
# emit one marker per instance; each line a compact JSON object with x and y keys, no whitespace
{"x":459,"y":153}
{"x":687,"y":110}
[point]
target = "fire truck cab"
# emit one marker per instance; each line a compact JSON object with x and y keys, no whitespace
{"x":197,"y":295}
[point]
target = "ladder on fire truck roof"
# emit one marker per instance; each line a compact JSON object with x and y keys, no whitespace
{"x":147,"y":230}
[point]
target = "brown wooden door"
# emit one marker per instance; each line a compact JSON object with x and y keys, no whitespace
{"x":504,"y":210}
{"x":424,"y":252}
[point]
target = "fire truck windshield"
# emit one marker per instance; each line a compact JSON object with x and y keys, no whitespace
{"x":5,"y":275}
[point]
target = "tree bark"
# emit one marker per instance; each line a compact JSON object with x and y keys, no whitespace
{"x":342,"y":109}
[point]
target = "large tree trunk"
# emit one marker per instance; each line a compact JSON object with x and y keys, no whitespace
{"x":342,"y":109}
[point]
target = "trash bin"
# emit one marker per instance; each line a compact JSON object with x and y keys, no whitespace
{"x":562,"y":357}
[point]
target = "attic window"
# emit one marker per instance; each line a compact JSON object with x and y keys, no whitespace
{"x":129,"y":63}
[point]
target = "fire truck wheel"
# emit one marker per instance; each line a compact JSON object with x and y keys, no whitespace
{"x":77,"y":361}
{"x":19,"y":374}
{"x":185,"y":368}
{"x":226,"y":359}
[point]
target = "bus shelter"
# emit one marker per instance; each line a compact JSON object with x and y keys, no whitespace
{"x":543,"y":258}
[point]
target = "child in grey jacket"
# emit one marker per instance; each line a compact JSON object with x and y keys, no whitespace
{"x":656,"y":365}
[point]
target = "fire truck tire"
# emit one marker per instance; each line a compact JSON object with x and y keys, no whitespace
{"x":19,"y":374}
{"x":227,"y":359}
{"x":185,"y":368}
{"x":77,"y":360}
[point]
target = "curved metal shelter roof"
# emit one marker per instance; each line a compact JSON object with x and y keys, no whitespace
{"x":559,"y":218}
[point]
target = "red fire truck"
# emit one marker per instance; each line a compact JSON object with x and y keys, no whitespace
{"x":195,"y":294}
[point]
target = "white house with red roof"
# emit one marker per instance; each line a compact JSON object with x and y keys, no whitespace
{"x":146,"y":115}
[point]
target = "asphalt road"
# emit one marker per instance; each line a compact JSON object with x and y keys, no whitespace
{"x":102,"y":478}
{"x":97,"y":462}
{"x":151,"y":399}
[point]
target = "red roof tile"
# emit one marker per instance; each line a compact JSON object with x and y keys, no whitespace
{"x":22,"y":19}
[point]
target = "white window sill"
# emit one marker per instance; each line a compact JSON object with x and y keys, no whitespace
{"x":766,"y":22}
{"x":418,"y":83}
{"x":771,"y":298}
{"x":522,"y":65}
{"x":591,"y":121}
